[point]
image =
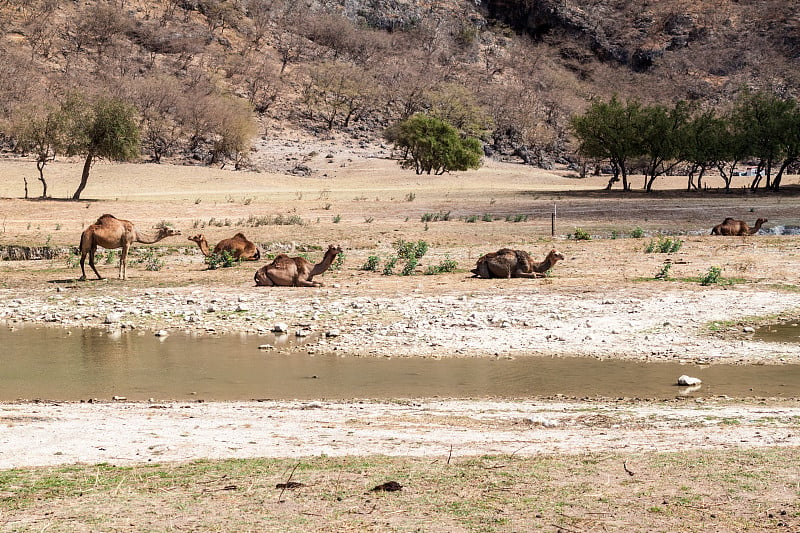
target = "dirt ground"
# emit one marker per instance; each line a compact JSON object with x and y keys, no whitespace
{"x":601,"y":301}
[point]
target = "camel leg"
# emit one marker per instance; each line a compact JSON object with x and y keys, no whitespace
{"x":307,"y":283}
{"x":83,"y":268}
{"x":530,"y":275}
{"x":92,"y":250}
{"x":123,"y":263}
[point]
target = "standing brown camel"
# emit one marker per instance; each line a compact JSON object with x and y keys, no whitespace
{"x":507,"y":263}
{"x":238,"y":246}
{"x":285,"y":271}
{"x":110,"y":232}
{"x":730,"y":226}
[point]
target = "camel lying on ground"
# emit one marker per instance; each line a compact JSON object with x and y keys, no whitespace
{"x":110,"y":232}
{"x":285,"y":271}
{"x":238,"y":246}
{"x":730,"y":226}
{"x":507,"y":263}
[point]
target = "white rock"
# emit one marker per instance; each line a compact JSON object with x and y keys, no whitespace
{"x":162,"y":333}
{"x":332,"y":333}
{"x":688,"y":380}
{"x":280,"y":327}
{"x":112,"y":318}
{"x":749,"y":329}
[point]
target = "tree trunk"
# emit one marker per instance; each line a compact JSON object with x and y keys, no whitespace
{"x":40,"y":167}
{"x":84,"y":176}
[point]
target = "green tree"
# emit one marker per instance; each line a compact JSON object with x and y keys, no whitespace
{"x":107,"y":129}
{"x":434,"y":146}
{"x":703,"y":145}
{"x":762,"y":116}
{"x":789,"y":140}
{"x":609,"y":130}
{"x":662,"y":134}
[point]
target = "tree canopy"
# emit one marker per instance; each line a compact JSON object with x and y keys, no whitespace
{"x":107,"y":129}
{"x":433,"y":146}
{"x":759,"y":126}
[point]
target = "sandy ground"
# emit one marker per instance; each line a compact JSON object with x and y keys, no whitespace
{"x":125,"y":433}
{"x":601,"y":301}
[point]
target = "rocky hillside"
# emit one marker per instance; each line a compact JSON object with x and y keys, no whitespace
{"x":206,"y":74}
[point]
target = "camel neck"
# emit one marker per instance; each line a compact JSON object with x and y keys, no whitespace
{"x":145,"y":238}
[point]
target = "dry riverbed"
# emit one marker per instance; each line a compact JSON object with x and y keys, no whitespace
{"x":602,"y":301}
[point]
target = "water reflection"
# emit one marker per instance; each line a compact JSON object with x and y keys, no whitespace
{"x":54,"y":363}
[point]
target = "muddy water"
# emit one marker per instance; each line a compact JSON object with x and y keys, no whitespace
{"x":61,"y":364}
{"x":786,"y":332}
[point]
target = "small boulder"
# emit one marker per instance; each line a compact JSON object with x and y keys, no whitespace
{"x":280,"y":327}
{"x":689,"y":381}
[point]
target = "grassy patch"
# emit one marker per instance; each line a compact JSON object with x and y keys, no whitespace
{"x":722,"y":490}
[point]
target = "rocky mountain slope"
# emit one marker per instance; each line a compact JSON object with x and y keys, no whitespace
{"x":206,"y":73}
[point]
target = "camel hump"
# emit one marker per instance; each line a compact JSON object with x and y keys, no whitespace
{"x":105,"y":216}
{"x":240,"y":235}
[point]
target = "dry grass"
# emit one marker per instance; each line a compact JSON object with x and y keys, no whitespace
{"x":726,"y":490}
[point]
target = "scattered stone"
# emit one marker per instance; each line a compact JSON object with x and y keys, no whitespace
{"x":118,"y":398}
{"x":749,"y":329}
{"x":162,"y":333}
{"x":289,"y":485}
{"x":265,"y":347}
{"x":280,"y":327}
{"x":332,"y":333}
{"x":112,"y":318}
{"x":389,"y":486}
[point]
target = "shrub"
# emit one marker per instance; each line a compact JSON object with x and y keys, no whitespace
{"x":338,"y":262}
{"x":581,"y":235}
{"x":435,"y":217}
{"x":664,"y":272}
{"x":714,"y":275}
{"x":664,"y":245}
{"x":388,"y":267}
{"x":151,"y":261}
{"x":637,"y":233}
{"x":446,"y":265}
{"x":411,"y":250}
{"x":409,"y":267}
{"x":225,"y":259}
{"x":372,"y":263}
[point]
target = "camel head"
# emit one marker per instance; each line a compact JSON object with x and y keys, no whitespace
{"x":760,"y":222}
{"x":198,"y":238}
{"x":165,"y":231}
{"x":334,"y":249}
{"x":554,"y":255}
